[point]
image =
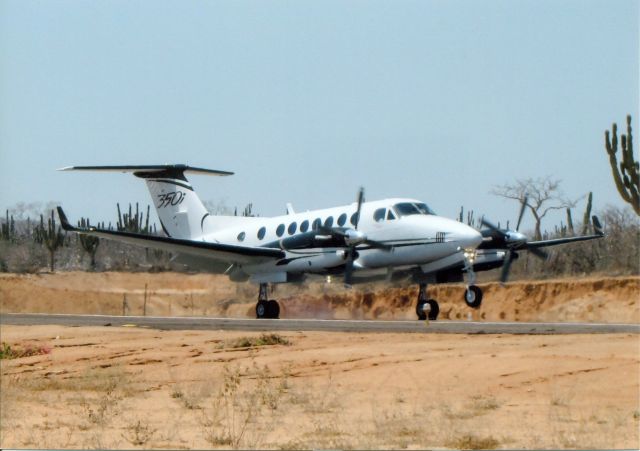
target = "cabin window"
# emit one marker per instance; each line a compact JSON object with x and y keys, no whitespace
{"x":328,"y":222}
{"x":379,"y":214}
{"x":354,"y":218}
{"x":292,"y":228}
{"x":342,"y":219}
{"x":317,"y":223}
{"x":390,"y":215}
{"x":261,"y":232}
{"x":304,"y":226}
{"x":280,"y":230}
{"x":241,"y":236}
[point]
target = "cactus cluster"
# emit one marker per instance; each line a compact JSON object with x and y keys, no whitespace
{"x":8,"y":229}
{"x":51,"y":236}
{"x":626,"y":172}
{"x":130,"y":222}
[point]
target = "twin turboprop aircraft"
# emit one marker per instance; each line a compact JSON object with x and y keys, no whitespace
{"x":386,"y":239}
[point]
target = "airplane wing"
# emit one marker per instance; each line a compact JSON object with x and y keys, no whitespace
{"x":545,"y":243}
{"x":227,"y":253}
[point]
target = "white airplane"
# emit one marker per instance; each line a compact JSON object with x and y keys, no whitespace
{"x":364,"y":241}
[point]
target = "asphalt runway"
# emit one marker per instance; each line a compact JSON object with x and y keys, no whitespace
{"x":267,"y":325}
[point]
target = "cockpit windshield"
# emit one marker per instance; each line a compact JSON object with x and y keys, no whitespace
{"x":411,"y":208}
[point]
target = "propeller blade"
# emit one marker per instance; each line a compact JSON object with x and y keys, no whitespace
{"x":538,"y":253}
{"x":491,"y":225}
{"x":348,"y":269}
{"x":506,"y":267}
{"x":524,"y":205}
{"x":360,"y":201}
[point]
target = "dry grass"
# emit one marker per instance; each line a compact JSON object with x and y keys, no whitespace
{"x":262,"y":340}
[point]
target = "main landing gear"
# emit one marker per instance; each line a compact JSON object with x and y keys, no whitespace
{"x":426,"y":307}
{"x":266,"y":308}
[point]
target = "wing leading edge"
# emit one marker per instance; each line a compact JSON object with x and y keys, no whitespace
{"x":227,"y":253}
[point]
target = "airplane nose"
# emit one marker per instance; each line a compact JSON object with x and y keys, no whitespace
{"x":468,"y":237}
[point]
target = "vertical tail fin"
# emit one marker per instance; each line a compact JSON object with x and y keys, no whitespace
{"x":180,"y":210}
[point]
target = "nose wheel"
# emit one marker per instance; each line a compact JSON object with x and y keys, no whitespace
{"x":473,"y":296}
{"x":266,"y":308}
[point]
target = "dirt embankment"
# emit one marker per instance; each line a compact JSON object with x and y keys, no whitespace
{"x":598,"y":299}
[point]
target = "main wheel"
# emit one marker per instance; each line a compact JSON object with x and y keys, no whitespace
{"x":420,"y":310}
{"x":473,"y":296}
{"x":261,"y":310}
{"x":273,"y":309}
{"x":435,"y":309}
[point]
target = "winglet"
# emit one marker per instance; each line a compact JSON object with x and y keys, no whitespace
{"x":597,"y":227}
{"x":66,"y":225}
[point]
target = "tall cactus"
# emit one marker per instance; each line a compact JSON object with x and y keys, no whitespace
{"x":51,"y":236}
{"x":8,"y":229}
{"x":587,"y":214}
{"x":89,"y":243}
{"x":626,"y":173}
{"x":570,"y":222}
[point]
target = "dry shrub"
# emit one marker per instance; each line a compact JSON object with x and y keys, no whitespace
{"x":262,"y":340}
{"x":19,"y":351}
{"x":470,"y":441}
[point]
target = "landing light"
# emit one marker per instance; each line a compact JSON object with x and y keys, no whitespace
{"x":470,"y":255}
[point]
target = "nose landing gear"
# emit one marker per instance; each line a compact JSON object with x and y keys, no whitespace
{"x":473,"y":296}
{"x":266,"y":308}
{"x":473,"y":293}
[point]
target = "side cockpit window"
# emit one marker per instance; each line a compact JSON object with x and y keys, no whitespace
{"x":390,"y":215}
{"x":424,"y":209}
{"x":379,"y":214}
{"x":410,"y":208}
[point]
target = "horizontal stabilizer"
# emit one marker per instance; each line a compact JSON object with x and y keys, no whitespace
{"x":159,"y":169}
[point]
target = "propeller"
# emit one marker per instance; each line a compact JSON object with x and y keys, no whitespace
{"x":352,"y":238}
{"x":513,"y":241}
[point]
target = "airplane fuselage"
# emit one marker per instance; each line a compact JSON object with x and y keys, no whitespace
{"x":416,"y":236}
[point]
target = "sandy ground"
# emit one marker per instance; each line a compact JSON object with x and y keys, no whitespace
{"x":138,"y":388}
{"x":597,"y":299}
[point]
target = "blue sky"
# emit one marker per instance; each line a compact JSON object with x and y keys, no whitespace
{"x":308,"y":100}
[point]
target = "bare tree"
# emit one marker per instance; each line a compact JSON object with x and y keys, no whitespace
{"x":543,"y":194}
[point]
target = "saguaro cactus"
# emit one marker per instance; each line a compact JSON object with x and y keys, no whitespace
{"x":51,"y":236}
{"x":89,"y":243}
{"x":626,"y":173}
{"x":587,"y":214}
{"x":570,"y":222}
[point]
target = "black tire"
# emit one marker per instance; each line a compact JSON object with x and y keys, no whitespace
{"x":473,"y":296}
{"x":273,"y":309}
{"x":435,"y":309}
{"x":262,"y":310}
{"x":419,"y":310}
